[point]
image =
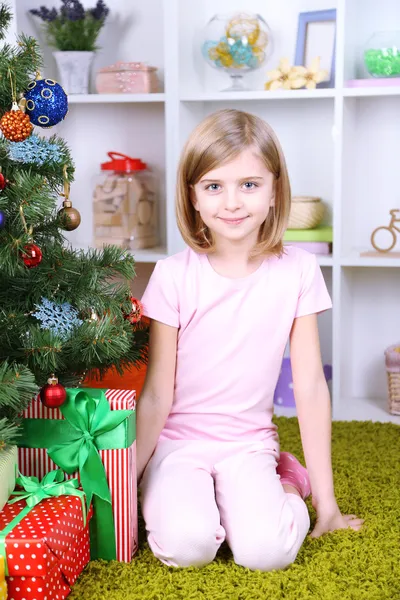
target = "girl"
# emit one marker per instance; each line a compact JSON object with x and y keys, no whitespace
{"x":221,"y":314}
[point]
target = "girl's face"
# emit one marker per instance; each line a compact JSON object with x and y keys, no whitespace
{"x":234,"y":200}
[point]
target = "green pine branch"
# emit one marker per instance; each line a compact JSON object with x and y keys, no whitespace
{"x":17,"y":388}
{"x":18,"y":67}
{"x":100,"y":344}
{"x":5,"y":20}
{"x":95,"y":282}
{"x":99,"y":280}
{"x":50,"y":170}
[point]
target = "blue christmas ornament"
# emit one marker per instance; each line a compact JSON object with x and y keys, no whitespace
{"x":59,"y":318}
{"x":2,"y":220}
{"x":46,"y":102}
{"x":35,"y":150}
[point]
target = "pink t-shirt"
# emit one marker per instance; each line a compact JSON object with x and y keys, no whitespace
{"x":232,"y":334}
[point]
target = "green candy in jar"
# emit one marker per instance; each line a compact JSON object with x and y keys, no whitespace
{"x":382,"y":54}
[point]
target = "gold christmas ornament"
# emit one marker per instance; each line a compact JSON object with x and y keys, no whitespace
{"x":93,"y":316}
{"x":15,"y":124}
{"x":70,"y":216}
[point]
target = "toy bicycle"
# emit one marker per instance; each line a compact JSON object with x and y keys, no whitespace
{"x":393,"y":229}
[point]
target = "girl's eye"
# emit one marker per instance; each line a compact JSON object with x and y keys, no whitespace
{"x":250,"y":185}
{"x":213,"y":187}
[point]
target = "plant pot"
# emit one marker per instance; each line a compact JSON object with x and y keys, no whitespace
{"x":8,"y":470}
{"x":74,"y":70}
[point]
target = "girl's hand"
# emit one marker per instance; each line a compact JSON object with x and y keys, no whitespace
{"x":333,"y":520}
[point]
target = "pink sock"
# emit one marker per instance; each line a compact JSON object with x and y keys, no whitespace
{"x":293,"y":473}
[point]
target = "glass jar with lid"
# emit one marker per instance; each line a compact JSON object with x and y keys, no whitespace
{"x":125,"y":204}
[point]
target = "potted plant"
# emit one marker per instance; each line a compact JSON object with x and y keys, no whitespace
{"x":73,"y":31}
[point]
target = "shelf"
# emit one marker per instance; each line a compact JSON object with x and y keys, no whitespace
{"x":355,"y":260}
{"x":289,"y":94}
{"x":364,"y":409}
{"x":325,"y":260}
{"x":351,"y":409}
{"x":259,"y":95}
{"x":372,"y":91}
{"x":114,"y":98}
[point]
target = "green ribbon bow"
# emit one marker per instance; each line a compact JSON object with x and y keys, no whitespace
{"x":89,"y":426}
{"x":52,"y":485}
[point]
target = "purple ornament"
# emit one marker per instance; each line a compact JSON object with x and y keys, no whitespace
{"x":2,"y":219}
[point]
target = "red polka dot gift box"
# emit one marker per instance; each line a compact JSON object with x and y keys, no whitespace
{"x":47,"y":550}
{"x":92,"y":435}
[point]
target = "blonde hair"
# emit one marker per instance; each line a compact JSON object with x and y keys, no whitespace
{"x":218,"y":139}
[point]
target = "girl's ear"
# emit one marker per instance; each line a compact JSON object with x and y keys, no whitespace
{"x":193,"y":199}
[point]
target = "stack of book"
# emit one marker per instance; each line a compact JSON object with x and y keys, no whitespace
{"x":317,"y":240}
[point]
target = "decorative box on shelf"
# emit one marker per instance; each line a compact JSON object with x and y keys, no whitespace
{"x":317,"y":240}
{"x":106,"y":438}
{"x":127,"y":78}
{"x":375,"y":82}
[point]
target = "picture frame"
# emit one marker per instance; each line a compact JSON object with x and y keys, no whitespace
{"x":316,"y":36}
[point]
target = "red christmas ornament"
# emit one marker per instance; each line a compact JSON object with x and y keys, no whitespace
{"x":53,"y":394}
{"x":3,"y":182}
{"x":137,"y":311}
{"x":32,"y":255}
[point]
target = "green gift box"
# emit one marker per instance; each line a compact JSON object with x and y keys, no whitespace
{"x":92,"y":435}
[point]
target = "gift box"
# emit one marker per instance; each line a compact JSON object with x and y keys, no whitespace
{"x":8,"y":467}
{"x":3,"y":585}
{"x":127,"y":78}
{"x":46,"y":545}
{"x":98,"y":427}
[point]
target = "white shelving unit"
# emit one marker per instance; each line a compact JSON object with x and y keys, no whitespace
{"x":116,"y":98}
{"x":341,"y":144}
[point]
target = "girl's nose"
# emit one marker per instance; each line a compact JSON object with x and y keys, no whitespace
{"x":232,"y":200}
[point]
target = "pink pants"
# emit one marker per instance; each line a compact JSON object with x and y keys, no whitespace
{"x":196,"y":494}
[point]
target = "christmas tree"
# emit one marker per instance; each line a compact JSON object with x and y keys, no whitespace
{"x":62,"y":312}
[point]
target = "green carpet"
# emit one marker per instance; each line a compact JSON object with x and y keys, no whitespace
{"x":344,"y":565}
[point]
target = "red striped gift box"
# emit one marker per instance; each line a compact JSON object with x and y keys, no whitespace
{"x":119,"y":465}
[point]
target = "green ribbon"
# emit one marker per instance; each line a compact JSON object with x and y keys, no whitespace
{"x":52,"y":485}
{"x":89,"y":426}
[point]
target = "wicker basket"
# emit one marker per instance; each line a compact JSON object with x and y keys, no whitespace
{"x":306,"y":212}
{"x":392,"y":359}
